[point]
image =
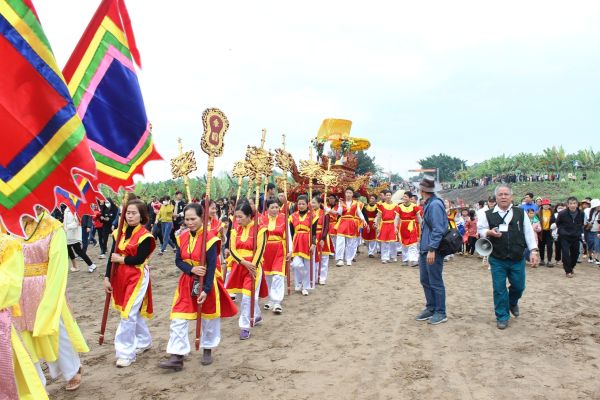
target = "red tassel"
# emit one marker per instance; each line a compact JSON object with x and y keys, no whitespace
{"x":129,"y":33}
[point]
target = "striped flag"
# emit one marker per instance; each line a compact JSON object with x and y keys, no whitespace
{"x":43,"y":140}
{"x":102,"y":80}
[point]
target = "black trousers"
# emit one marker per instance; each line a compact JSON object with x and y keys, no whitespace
{"x":77,"y":249}
{"x":570,"y":253}
{"x":157,"y":233}
{"x":471,"y":244}
{"x":103,"y":238}
{"x":546,"y":243}
{"x":557,"y":251}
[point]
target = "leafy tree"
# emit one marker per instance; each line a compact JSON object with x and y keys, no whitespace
{"x":448,"y":166}
{"x":396,"y":177}
{"x":366,"y":164}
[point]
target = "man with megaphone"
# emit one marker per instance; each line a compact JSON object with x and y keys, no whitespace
{"x":510,"y":232}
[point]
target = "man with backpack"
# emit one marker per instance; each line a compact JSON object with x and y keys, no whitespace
{"x":431,"y":262}
{"x":510,"y":231}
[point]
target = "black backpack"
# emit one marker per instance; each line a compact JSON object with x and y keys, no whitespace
{"x":451,"y":242}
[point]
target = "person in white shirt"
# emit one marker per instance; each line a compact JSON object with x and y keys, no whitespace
{"x":510,"y":232}
{"x":347,"y":228}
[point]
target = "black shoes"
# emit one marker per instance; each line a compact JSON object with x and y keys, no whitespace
{"x":207,"y":357}
{"x":502,"y":324}
{"x":175,"y":363}
{"x":514,"y":310}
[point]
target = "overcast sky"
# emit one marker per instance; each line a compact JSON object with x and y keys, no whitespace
{"x":470,"y":79}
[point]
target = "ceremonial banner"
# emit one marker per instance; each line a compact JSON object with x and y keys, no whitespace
{"x":43,"y":140}
{"x":102,"y":80}
{"x":76,"y":205}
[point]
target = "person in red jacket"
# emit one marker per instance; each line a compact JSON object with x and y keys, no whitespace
{"x":97,"y":224}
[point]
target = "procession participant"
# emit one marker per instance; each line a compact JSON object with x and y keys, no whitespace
{"x":47,"y":325}
{"x":323,"y":251}
{"x":347,"y":229}
{"x":510,"y":232}
{"x":266,"y":197}
{"x":283,"y":200}
{"x":333,"y":217}
{"x":387,"y":228}
{"x":131,"y":287}
{"x":409,"y":234}
{"x":19,"y":379}
{"x":246,"y":266}
{"x":453,"y":217}
{"x":359,"y":223}
{"x":570,"y":224}
{"x":370,"y":237}
{"x":214,"y":299}
{"x":275,"y":253}
{"x":300,"y":229}
{"x":415,"y":200}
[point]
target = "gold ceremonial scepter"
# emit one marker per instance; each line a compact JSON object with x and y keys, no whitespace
{"x":183,"y":165}
{"x":212,"y":143}
{"x":327,"y":179}
{"x":259,"y":162}
{"x":284,"y":161}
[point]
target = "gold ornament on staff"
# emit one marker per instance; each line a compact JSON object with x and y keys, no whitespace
{"x":212,"y":143}
{"x":328,"y":179}
{"x":183,"y":165}
{"x":240,"y":171}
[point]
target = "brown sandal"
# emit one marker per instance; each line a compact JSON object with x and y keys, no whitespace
{"x":75,"y":380}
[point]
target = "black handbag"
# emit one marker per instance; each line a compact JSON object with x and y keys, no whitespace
{"x":451,"y":242}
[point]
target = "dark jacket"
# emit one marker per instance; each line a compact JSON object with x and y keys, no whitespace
{"x":570,"y":228}
{"x":151,"y":214}
{"x":86,"y":222}
{"x":434,"y":212}
{"x":178,"y":210}
{"x":111,"y":214}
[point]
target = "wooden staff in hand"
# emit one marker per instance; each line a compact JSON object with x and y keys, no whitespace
{"x":212,"y":143}
{"x":113,"y":268}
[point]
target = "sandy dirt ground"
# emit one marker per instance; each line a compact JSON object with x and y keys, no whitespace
{"x":356,"y":337}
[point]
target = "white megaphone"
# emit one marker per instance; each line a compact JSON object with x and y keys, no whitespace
{"x":483,"y":247}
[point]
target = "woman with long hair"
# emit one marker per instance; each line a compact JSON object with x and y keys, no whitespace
{"x":108,"y":214}
{"x":370,"y":236}
{"x":300,"y":229}
{"x":213,"y":297}
{"x":131,"y":287}
{"x":275,"y":252}
{"x":246,"y":265}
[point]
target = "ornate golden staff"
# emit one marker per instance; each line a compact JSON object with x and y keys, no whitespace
{"x":284,"y":161}
{"x":259,"y":162}
{"x":327,"y":179}
{"x":310,"y":170}
{"x":212,"y":143}
{"x":183,"y":165}
{"x":240,"y":171}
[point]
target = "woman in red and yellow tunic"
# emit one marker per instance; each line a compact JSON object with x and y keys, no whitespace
{"x":388,"y":228}
{"x":333,"y":217}
{"x":275,"y":253}
{"x":215,"y":300}
{"x":324,"y":240}
{"x":131,"y":286}
{"x":409,"y":234}
{"x":246,"y":266}
{"x":370,"y":236}
{"x":300,"y":229}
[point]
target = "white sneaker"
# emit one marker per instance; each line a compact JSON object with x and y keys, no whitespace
{"x":394,"y":259}
{"x":268,"y":306}
{"x":384,"y":261}
{"x":298,"y":288}
{"x":590,"y":260}
{"x":141,"y":350}
{"x":124,"y":362}
{"x":101,"y":256}
{"x":348,"y":263}
{"x":277,"y":309}
{"x":92,"y":268}
{"x":322,"y":282}
{"x":305,"y":292}
{"x":340,"y":263}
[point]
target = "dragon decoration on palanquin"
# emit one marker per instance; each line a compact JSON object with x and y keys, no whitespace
{"x":336,"y":131}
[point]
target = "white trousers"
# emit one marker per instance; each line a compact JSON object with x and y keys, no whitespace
{"x":179,"y":342}
{"x":410,"y":253}
{"x":333,"y":242}
{"x":132,"y":332}
{"x":346,"y":245}
{"x":67,"y":364}
{"x":301,"y":269}
{"x":244,"y":301}
{"x":388,"y":251}
{"x":276,"y":287}
{"x":372,"y":247}
{"x":324,"y":269}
